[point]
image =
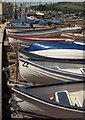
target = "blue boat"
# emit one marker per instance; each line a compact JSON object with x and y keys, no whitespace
{"x":55,"y":50}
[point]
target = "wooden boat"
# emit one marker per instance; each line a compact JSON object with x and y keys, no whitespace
{"x":49,"y":71}
{"x":55,"y":50}
{"x":62,"y":100}
{"x":22,"y":40}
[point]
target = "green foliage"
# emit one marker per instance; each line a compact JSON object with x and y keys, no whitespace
{"x":67,"y":7}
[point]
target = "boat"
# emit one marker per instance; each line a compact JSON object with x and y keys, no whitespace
{"x":16,"y":40}
{"x":55,"y":50}
{"x":32,"y":19}
{"x":58,"y":100}
{"x":56,"y":21}
{"x":23,"y":28}
{"x":75,"y":29}
{"x":79,"y":37}
{"x":50,"y":71}
{"x":21,"y":24}
{"x":45,"y":32}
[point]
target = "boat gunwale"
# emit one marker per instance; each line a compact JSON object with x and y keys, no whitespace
{"x":45,"y":100}
{"x":42,"y":28}
{"x":38,"y":39}
{"x":41,"y":38}
{"x":59,"y":71}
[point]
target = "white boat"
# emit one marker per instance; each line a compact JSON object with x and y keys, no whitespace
{"x":79,"y":37}
{"x":32,"y":18}
{"x":74,"y":29}
{"x":63,"y":100}
{"x":55,"y":50}
{"x":38,"y":32}
{"x":16,"y":28}
{"x":80,"y":43}
{"x":24,"y":28}
{"x":49,"y":71}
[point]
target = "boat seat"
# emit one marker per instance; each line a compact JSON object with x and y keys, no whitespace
{"x":63,"y":98}
{"x":76,"y":101}
{"x":54,"y":67}
{"x":77,"y":98}
{"x":82,"y":70}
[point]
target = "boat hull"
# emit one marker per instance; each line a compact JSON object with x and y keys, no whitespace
{"x":33,"y":101}
{"x":72,"y":29}
{"x":44,"y":109}
{"x":55,"y":50}
{"x":47,"y":72}
{"x":17,"y":40}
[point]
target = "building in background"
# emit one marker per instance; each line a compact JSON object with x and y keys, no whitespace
{"x":12,"y":10}
{"x":0,"y":12}
{"x":6,"y":10}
